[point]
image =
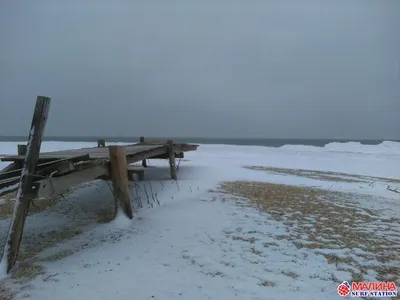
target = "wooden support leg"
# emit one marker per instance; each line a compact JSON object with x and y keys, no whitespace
{"x":24,"y":195}
{"x":22,"y":149}
{"x":120,"y":182}
{"x":144,"y":162}
{"x":101,"y":143}
{"x":171,"y":154}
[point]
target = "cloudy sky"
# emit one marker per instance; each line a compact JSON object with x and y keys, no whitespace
{"x":268,"y":69}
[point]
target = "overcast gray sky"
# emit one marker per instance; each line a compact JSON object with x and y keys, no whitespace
{"x":269,"y":69}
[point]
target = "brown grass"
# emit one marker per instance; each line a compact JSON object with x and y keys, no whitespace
{"x":290,"y":274}
{"x":327,"y":223}
{"x":105,"y":215}
{"x":58,"y":255}
{"x":250,"y":240}
{"x":30,"y":265}
{"x":39,"y":205}
{"x":255,"y":251}
{"x":267,"y":283}
{"x":324,"y":175}
{"x":32,"y":245}
{"x":5,"y":292}
{"x":26,"y":272}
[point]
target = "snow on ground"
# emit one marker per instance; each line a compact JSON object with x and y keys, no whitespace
{"x":385,"y":148}
{"x":201,"y":244}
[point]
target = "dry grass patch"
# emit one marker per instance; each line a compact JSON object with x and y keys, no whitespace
{"x":26,"y":272}
{"x":5,"y":292}
{"x":58,"y":255}
{"x":290,"y":274}
{"x":325,"y":175}
{"x":33,"y":244}
{"x":245,"y":239}
{"x":7,"y":202}
{"x":320,"y":220}
{"x":105,"y":215}
{"x":267,"y":283}
{"x":255,"y":251}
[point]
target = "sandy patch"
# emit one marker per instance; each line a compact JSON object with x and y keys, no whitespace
{"x":356,"y":240}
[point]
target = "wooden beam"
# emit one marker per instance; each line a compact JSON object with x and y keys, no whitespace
{"x":187,"y":147}
{"x":47,"y":167}
{"x":166,"y":156}
{"x":144,"y":162}
{"x":119,"y":175}
{"x":155,"y":142}
{"x":10,"y":168}
{"x":101,"y":143}
{"x":52,"y":186}
{"x":132,"y":171}
{"x":25,"y":192}
{"x":9,"y":184}
{"x":22,"y":149}
{"x":134,"y":174}
{"x":171,"y":153}
{"x":132,"y":158}
{"x":49,"y":157}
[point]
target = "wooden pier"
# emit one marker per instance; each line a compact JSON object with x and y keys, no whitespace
{"x":67,"y":168}
{"x":46,"y":174}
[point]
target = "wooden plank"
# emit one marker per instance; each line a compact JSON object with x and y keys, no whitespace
{"x":166,"y":156}
{"x":15,"y":158}
{"x":84,"y":157}
{"x":74,"y":157}
{"x":10,"y":168}
{"x":186,"y":147}
{"x":153,"y":151}
{"x":102,"y":152}
{"x":5,"y":184}
{"x":144,"y":163}
{"x":47,"y":167}
{"x":94,"y":153}
{"x":171,"y":153}
{"x":119,"y":176}
{"x":154,"y":142}
{"x":181,"y":146}
{"x":24,"y":194}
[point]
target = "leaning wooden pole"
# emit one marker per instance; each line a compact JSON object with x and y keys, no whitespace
{"x":120,"y":183}
{"x":171,"y":156}
{"x":25,"y":190}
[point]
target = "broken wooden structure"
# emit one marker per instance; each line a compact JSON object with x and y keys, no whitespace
{"x":58,"y":170}
{"x":46,"y":174}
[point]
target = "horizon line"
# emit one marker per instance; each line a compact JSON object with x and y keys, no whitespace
{"x":211,"y":138}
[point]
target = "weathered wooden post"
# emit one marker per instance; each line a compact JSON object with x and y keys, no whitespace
{"x":144,"y":162}
{"x":25,"y":189}
{"x":171,"y":155}
{"x":22,"y":149}
{"x":101,"y":143}
{"x":119,"y":175}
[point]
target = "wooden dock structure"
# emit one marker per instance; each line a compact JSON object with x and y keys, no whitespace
{"x":67,"y":168}
{"x":38,"y":174}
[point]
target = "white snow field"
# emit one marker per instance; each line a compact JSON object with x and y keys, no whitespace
{"x":202,"y":243}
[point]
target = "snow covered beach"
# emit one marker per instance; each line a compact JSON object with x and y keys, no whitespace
{"x":242,"y":222}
